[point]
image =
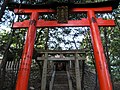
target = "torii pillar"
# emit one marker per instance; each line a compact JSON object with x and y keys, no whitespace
{"x":91,"y":20}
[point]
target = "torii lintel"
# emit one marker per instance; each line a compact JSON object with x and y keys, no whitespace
{"x":91,"y":21}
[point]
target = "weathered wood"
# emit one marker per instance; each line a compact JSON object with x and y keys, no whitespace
{"x":62,"y":14}
{"x":52,"y":81}
{"x":62,"y":51}
{"x":77,"y":72}
{"x":60,"y":59}
{"x":44,"y":73}
{"x":69,"y":81}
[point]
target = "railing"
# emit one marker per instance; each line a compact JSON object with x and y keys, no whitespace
{"x":52,"y":81}
{"x":69,"y":81}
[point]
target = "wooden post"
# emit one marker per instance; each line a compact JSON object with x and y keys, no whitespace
{"x":44,"y":73}
{"x":24,"y":71}
{"x":77,"y":72}
{"x":52,"y":81}
{"x":100,"y":59}
{"x":69,"y":81}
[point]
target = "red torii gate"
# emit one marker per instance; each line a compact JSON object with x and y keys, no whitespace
{"x":91,"y":20}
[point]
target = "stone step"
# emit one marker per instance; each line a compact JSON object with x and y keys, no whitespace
{"x":56,"y":85}
{"x":61,"y":87}
{"x":61,"y":81}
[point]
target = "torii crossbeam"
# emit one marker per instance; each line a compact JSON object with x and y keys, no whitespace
{"x":91,"y":21}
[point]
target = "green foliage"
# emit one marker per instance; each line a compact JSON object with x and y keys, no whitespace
{"x":4,"y":36}
{"x":58,"y":36}
{"x":113,"y":44}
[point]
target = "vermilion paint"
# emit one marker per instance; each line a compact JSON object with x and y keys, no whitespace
{"x":91,"y":20}
{"x":100,"y":60}
{"x":24,"y":71}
